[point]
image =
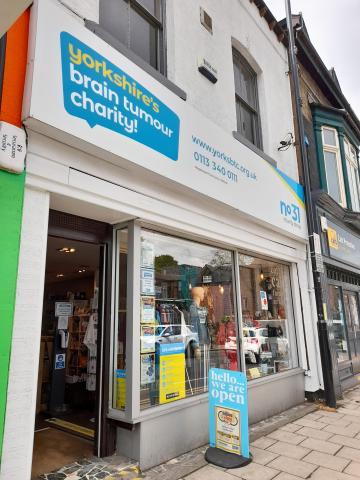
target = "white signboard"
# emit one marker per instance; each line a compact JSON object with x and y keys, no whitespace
{"x":12,"y":148}
{"x":63,"y":309}
{"x":100,"y":97}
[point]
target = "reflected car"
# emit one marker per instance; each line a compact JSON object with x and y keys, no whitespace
{"x":177,"y":334}
{"x":258,"y":344}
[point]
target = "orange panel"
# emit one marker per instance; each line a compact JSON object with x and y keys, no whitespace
{"x":14,"y":71}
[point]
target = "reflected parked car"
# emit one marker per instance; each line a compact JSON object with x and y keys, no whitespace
{"x":177,"y":334}
{"x":258,"y":344}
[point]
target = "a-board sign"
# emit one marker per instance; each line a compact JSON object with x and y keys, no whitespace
{"x":228,"y":411}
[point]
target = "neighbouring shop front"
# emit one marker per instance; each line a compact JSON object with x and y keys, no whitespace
{"x":205,"y":266}
{"x":341,"y":246}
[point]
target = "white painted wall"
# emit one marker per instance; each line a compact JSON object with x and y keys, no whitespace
{"x":235,"y":23}
{"x":22,"y":388}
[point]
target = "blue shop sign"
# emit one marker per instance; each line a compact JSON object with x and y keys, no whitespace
{"x":101,"y":93}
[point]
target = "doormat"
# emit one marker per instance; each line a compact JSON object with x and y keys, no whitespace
{"x":92,"y":470}
{"x":73,"y":428}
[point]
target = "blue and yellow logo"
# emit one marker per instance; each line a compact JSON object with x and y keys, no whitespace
{"x":99,"y":92}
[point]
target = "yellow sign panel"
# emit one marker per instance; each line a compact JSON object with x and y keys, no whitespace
{"x":332,"y":238}
{"x":171,"y":372}
{"x":228,"y":430}
{"x":120,"y":389}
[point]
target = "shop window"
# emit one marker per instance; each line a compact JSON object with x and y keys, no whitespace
{"x":138,"y":25}
{"x":337,"y":318}
{"x":333,"y":167}
{"x":353,"y":174}
{"x":120,"y":320}
{"x":187,"y":321}
{"x":246,"y":98}
{"x":267,"y":317}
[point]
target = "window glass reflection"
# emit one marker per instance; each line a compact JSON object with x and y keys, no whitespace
{"x":187,"y":317}
{"x":268,"y":327}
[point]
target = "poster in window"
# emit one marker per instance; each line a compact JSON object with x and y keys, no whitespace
{"x":147,"y":339}
{"x":147,"y":309}
{"x":147,"y":368}
{"x":264,"y":300}
{"x":147,"y":254}
{"x":147,"y":284}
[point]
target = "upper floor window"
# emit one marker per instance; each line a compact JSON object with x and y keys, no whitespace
{"x":138,"y":24}
{"x":246,"y":98}
{"x":333,"y":168}
{"x":353,"y":174}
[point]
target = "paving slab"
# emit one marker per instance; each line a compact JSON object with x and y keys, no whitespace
{"x":313,"y":433}
{"x":287,"y":437}
{"x":262,"y":456}
{"x":320,"y":446}
{"x":349,"y":431}
{"x":351,"y":418}
{"x":253,"y":471}
{"x":292,"y":466}
{"x":325,"y":460}
{"x":353,"y":469}
{"x":210,"y":473}
{"x":263,"y":442}
{"x":348,"y":441}
{"x":286,"y":476}
{"x":350,"y":453}
{"x":349,"y":410}
{"x":326,"y":474}
{"x":304,"y":422}
{"x":290,"y":427}
{"x":289,"y":450}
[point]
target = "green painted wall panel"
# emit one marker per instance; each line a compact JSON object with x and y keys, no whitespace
{"x":11,"y":204}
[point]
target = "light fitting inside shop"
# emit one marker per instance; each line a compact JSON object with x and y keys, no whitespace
{"x":67,"y":250}
{"x":82,"y":269}
{"x":59,"y":275}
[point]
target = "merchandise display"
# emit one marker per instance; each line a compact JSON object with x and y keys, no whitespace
{"x":266,"y":317}
{"x":188,"y":322}
{"x":192,"y":299}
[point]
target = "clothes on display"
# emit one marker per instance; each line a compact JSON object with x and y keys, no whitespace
{"x":90,"y":340}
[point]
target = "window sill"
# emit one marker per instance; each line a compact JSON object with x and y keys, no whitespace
{"x":254,"y":148}
{"x":196,"y":400}
{"x":104,"y":35}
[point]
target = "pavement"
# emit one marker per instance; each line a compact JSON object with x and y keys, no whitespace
{"x":307,"y":441}
{"x":322,"y":445}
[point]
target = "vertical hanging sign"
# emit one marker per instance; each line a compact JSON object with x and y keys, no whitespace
{"x":228,"y":419}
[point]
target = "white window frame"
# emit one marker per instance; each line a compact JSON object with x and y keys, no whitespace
{"x":335,"y":149}
{"x":353,"y":174}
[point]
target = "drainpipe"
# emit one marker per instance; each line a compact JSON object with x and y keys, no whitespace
{"x":325,"y":352}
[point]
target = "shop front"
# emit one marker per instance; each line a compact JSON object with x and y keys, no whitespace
{"x":206,"y":264}
{"x":341,"y":249}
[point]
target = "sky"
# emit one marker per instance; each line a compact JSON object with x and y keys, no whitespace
{"x":333,"y":27}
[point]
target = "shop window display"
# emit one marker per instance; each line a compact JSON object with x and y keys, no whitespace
{"x":267,"y":317}
{"x":187,"y":320}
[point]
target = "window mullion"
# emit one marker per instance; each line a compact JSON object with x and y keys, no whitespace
{"x":240,"y":99}
{"x":145,"y":13}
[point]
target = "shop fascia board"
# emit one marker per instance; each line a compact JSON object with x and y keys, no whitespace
{"x":62,"y":180}
{"x":145,"y":177}
{"x":169,"y":408}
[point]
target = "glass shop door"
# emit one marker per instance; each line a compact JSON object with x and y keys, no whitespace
{"x":351,"y":304}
